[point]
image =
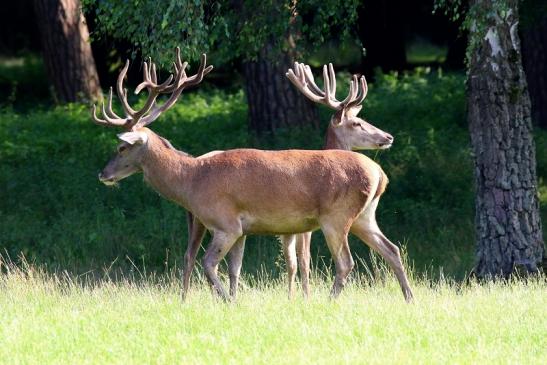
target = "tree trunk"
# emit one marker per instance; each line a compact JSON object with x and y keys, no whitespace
{"x":507,"y":206}
{"x":273,"y":101}
{"x":534,"y":54}
{"x":382,"y":35}
{"x":67,"y":53}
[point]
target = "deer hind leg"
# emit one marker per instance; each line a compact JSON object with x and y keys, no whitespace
{"x":289,"y":251}
{"x":218,"y":248}
{"x":235,"y":261}
{"x":366,"y":228}
{"x":196,"y":231}
{"x":303,"y":242}
{"x":337,"y":241}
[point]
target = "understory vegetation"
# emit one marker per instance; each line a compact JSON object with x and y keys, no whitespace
{"x":55,"y":212}
{"x":58,"y":319}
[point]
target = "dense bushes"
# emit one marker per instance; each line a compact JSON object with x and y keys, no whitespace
{"x":54,"y":210}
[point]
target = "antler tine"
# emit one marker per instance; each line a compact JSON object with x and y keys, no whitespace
{"x":180,"y":73}
{"x":330,"y":93}
{"x":202,"y":71}
{"x":353,"y":90}
{"x":158,"y":110}
{"x":180,"y":77}
{"x":298,"y":79}
{"x":113,"y":121}
{"x":176,"y":88}
{"x":303,"y":79}
{"x":154,"y":80}
{"x":309,"y":78}
{"x":364,"y":85}
{"x":363,"y":92}
{"x":177,"y":57}
{"x":153,"y":75}
{"x":146,"y":78}
{"x":150,"y":79}
{"x":174,"y":85}
{"x":108,"y":121}
{"x":96,"y":119}
{"x":122,"y":93}
{"x":326,"y":81}
{"x":109,"y":110}
{"x":332,"y":77}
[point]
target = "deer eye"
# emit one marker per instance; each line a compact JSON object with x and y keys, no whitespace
{"x":121,"y":149}
{"x":356,"y":124}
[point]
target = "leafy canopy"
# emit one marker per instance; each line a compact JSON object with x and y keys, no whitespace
{"x":228,"y":28}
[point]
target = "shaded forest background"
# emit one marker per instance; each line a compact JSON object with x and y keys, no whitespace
{"x":54,"y":210}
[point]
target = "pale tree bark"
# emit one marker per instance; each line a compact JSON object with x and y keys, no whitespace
{"x":508,"y":223}
{"x":66,"y":50}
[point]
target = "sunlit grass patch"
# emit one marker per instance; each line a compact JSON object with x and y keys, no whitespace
{"x":422,"y":51}
{"x":58,"y":318}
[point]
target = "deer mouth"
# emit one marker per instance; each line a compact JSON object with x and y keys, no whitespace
{"x":107,"y":181}
{"x":384,"y":145}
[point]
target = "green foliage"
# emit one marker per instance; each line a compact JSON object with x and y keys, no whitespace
{"x":155,"y":26}
{"x":23,"y":81}
{"x":478,"y":16}
{"x":54,"y":210}
{"x":64,"y":319}
{"x":228,"y":29}
{"x":421,"y":51}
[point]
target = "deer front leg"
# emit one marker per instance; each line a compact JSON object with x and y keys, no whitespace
{"x":220,"y":245}
{"x":366,"y":228}
{"x":337,"y":241}
{"x":196,"y":231}
{"x":376,"y":240}
{"x":289,"y":251}
{"x":303,"y":242}
{"x":235,"y":261}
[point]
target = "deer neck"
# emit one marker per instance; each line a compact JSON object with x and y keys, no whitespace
{"x":333,"y":142}
{"x":167,"y":171}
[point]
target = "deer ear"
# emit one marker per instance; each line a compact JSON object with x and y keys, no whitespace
{"x":134,"y":137}
{"x":353,"y":111}
{"x":338,"y":117}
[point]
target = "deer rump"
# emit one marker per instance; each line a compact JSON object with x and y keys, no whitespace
{"x":281,"y":192}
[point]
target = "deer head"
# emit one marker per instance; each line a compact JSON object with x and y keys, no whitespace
{"x":134,"y":142}
{"x":351,"y":132}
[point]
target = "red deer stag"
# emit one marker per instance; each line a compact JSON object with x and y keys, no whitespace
{"x":247,"y":191}
{"x":345,"y":132}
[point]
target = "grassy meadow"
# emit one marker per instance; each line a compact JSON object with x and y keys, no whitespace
{"x":60,"y":319}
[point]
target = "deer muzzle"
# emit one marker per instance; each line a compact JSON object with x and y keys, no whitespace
{"x":107,"y":180}
{"x":387,"y":141}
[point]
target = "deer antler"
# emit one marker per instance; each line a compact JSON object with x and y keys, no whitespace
{"x":303,"y":79}
{"x":174,"y":85}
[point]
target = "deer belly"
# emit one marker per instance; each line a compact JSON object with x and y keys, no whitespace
{"x":285,"y":224}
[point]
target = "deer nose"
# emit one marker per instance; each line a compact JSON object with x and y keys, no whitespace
{"x":101,"y":176}
{"x":389,"y":137}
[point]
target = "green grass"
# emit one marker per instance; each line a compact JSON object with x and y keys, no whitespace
{"x":61,"y":319}
{"x":54,"y":211}
{"x":23,"y":81}
{"x":421,"y":51}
